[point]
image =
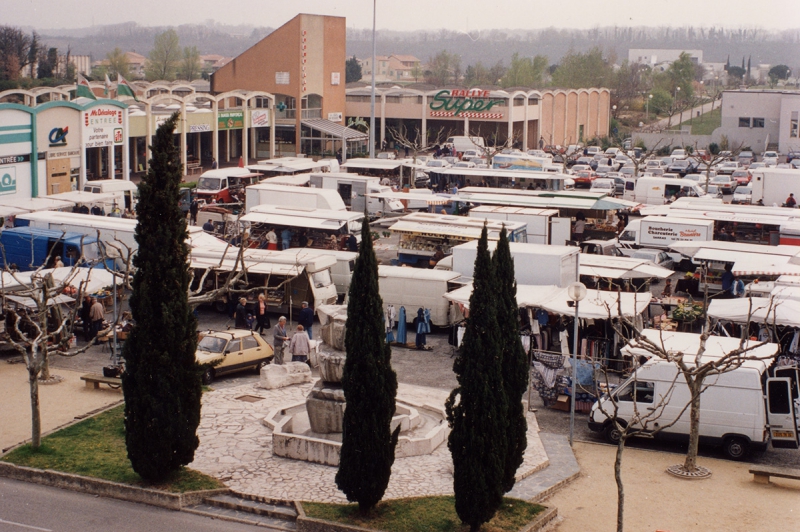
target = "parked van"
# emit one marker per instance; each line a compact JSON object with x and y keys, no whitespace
{"x":28,"y":248}
{"x":293,"y":197}
{"x":415,"y":288}
{"x":341,"y":272}
{"x":661,"y":190}
{"x":464,"y":143}
{"x":224,"y":185}
{"x":353,"y":189}
{"x":125,"y":191}
{"x":739,"y":410}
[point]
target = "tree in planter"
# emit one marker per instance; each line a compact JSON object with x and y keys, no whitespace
{"x":370,"y":388}
{"x":514,"y":359}
{"x":476,"y":408}
{"x":161,"y":381}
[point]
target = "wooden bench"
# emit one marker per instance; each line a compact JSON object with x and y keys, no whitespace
{"x":761,"y":474}
{"x":94,"y":381}
{"x":194,"y":168}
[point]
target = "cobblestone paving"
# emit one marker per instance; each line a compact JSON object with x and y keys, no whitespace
{"x":237,"y":448}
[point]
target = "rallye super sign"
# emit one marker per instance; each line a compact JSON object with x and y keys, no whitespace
{"x":473,"y":103}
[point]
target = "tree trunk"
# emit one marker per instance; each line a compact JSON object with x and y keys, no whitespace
{"x":36,"y":418}
{"x":694,"y":424}
{"x":620,"y":488}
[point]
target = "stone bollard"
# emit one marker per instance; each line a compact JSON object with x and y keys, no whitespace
{"x":281,"y":375}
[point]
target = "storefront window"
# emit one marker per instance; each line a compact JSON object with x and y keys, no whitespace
{"x":744,"y":121}
{"x":793,"y":125}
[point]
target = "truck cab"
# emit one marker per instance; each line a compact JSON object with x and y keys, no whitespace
{"x":225,"y":185}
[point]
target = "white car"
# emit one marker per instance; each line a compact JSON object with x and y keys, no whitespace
{"x":743,"y":195}
{"x":678,"y":154}
{"x":471,"y":154}
{"x":604,"y":185}
{"x":770,"y":158}
{"x":464,"y":164}
{"x":437,"y":163}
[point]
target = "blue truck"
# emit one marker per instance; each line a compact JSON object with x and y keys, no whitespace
{"x":28,"y":248}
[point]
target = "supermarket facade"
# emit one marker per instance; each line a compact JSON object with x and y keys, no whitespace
{"x":286,"y":95}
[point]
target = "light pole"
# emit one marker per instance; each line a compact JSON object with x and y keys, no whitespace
{"x":372,"y":92}
{"x":647,"y":115}
{"x":576,"y":292}
{"x":677,"y":90}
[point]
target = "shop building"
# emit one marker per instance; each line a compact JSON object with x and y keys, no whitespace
{"x":523,"y":116}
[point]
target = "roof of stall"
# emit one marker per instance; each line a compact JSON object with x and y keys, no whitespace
{"x":431,"y":199}
{"x":766,"y":310}
{"x":80,"y":197}
{"x":36,"y":204}
{"x":542,"y":199}
{"x":620,"y":267}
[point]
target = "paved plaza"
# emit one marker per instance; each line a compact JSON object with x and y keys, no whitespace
{"x":237,"y":448}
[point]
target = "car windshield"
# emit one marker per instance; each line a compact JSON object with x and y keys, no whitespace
{"x":209,"y":183}
{"x":744,"y":190}
{"x":321,"y":278}
{"x":212,"y":344}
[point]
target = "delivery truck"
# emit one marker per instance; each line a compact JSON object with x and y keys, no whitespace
{"x":741,"y":410}
{"x":658,"y":232}
{"x":771,"y":186}
{"x":554,"y":265}
{"x":28,"y":248}
{"x":293,"y":197}
{"x":661,"y":190}
{"x":353,"y":189}
{"x":544,"y":225}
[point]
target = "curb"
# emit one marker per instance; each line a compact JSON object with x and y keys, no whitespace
{"x":310,"y":524}
{"x":105,"y":488}
{"x":544,"y":495}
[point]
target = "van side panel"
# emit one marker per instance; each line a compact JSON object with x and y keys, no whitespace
{"x":414,"y":295}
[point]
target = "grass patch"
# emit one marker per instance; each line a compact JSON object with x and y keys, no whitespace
{"x":706,"y":123}
{"x":423,"y":514}
{"x":96,"y":448}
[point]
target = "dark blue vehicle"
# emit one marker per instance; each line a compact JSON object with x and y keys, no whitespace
{"x":28,"y":248}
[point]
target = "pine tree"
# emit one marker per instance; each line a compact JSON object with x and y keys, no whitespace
{"x":370,"y":387}
{"x":162,"y":379}
{"x":515,"y":362}
{"x":476,"y":408}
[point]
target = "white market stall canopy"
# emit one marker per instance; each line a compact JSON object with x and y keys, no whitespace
{"x":36,"y":204}
{"x":375,"y":164}
{"x":620,"y":267}
{"x":335,"y":130}
{"x":766,"y":310}
{"x":430,"y":199}
{"x":264,"y":268}
{"x":542,"y":199}
{"x":297,"y":180}
{"x":597,"y":304}
{"x":689,"y":344}
{"x":94,"y":278}
{"x":79,"y":197}
{"x":29,"y":303}
{"x":424,"y":223}
{"x":510,"y":174}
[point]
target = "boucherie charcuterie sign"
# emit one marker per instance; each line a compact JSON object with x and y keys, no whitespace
{"x":467,"y":103}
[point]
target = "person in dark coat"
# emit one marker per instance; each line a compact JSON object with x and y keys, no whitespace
{"x":306,"y":319}
{"x":86,"y":309}
{"x":240,"y":315}
{"x":193,"y":208}
{"x":352,"y":243}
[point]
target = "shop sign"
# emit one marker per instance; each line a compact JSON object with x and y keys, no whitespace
{"x":335,"y":117}
{"x":102,"y":127}
{"x":63,"y":154}
{"x":230,"y":120}
{"x":199,"y":128}
{"x":472,"y":103}
{"x":58,"y":136}
{"x":8,"y":179}
{"x":259,"y":118}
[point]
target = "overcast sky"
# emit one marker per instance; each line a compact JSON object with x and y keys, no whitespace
{"x":464,"y":15}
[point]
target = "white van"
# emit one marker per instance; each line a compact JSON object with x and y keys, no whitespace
{"x":293,"y":197}
{"x":415,"y":288}
{"x":661,"y":190}
{"x":353,"y":189}
{"x":125,"y":192}
{"x":464,"y":143}
{"x":736,"y":410}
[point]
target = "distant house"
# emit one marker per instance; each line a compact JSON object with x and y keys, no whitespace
{"x":136,"y":64}
{"x":655,"y":56}
{"x":393,"y":67}
{"x":213,"y":62}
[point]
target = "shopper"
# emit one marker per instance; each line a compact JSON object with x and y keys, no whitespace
{"x":279,"y":339}
{"x":306,"y":318}
{"x":262,"y":319}
{"x":299,"y":346}
{"x":240,"y":315}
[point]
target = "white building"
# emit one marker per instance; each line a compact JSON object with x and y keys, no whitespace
{"x":760,"y":118}
{"x":653,"y":56}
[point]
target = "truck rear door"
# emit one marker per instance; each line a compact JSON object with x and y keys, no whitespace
{"x":780,"y":413}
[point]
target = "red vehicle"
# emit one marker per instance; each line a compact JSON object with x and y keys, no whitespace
{"x":225,"y":185}
{"x":742,"y":177}
{"x":584,"y":179}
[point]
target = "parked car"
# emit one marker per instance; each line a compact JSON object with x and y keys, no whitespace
{"x":713,"y":191}
{"x":681,"y":167}
{"x":584,"y":178}
{"x":728,"y":167}
{"x":592,"y":150}
{"x":464,"y":164}
{"x":756,"y":166}
{"x":742,"y":176}
{"x":386,"y":155}
{"x":580,"y":168}
{"x":230,"y":351}
{"x":603,"y":185}
{"x":540,"y":153}
{"x":619,"y":186}
{"x":655,"y":256}
{"x":743,"y":195}
{"x":726,"y":183}
{"x":795,"y":164}
{"x":679,"y":153}
{"x":745,"y":158}
{"x":437,"y":163}
{"x":603,"y":170}
{"x":770,"y":158}
{"x":628,"y":170}
{"x":792,"y":155}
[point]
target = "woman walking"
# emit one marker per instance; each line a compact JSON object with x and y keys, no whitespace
{"x":262,"y":320}
{"x":299,"y":346}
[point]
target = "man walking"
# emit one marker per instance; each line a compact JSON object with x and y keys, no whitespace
{"x":279,"y":336}
{"x":96,"y":314}
{"x":193,"y":208}
{"x":306,"y":319}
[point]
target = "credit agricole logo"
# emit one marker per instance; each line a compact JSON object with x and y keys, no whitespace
{"x":58,"y":136}
{"x":472,"y":103}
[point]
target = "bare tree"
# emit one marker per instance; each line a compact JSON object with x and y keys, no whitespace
{"x":706,"y":163}
{"x":416,"y":142}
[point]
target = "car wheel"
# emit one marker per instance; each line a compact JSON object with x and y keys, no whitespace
{"x":736,"y":448}
{"x":261,"y":365}
{"x":208,"y":376}
{"x":220,"y":306}
{"x":612,"y":432}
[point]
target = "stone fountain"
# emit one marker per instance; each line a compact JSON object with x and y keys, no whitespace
{"x":312,"y":431}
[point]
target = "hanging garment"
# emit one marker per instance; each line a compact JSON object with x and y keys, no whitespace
{"x":460,"y":335}
{"x":795,"y":340}
{"x":526,"y":342}
{"x":542,"y":317}
{"x":401,"y":326}
{"x":563,"y":336}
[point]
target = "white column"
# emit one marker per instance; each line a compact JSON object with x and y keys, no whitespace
{"x":525,"y":125}
{"x":245,"y":118}
{"x":424,"y":141}
{"x":466,"y":127}
{"x":227,"y":145}
{"x":272,"y":128}
{"x":183,"y":136}
{"x":149,"y":139}
{"x":126,"y":147}
{"x":214,"y":126}
{"x":383,"y":118}
{"x":110,"y":166}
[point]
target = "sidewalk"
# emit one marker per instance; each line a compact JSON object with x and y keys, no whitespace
{"x":59,"y":404}
{"x":676,"y":119}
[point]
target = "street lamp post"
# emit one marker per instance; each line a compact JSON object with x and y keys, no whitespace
{"x":576,"y":292}
{"x":677,"y":90}
{"x":647,"y":115}
{"x":372,"y":93}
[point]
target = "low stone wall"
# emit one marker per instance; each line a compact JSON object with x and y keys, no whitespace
{"x":105,"y":488}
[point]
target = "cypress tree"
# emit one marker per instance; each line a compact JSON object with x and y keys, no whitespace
{"x":370,"y":387}
{"x":515,"y":362}
{"x":476,"y":408}
{"x":161,"y":381}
